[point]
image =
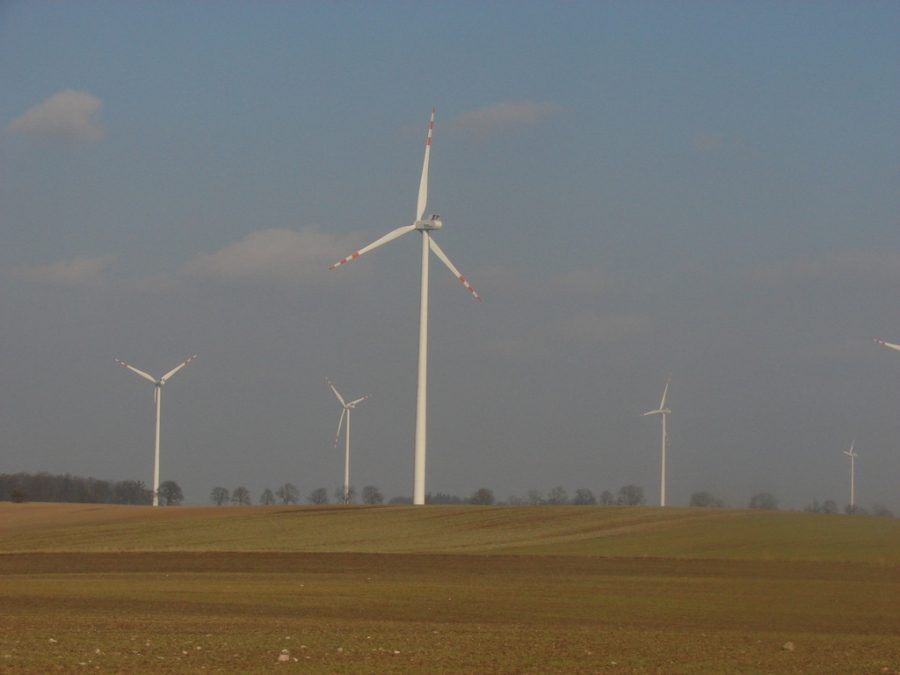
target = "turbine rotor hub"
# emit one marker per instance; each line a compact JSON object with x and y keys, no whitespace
{"x":433,"y":222}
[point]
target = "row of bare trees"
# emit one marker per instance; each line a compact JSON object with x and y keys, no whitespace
{"x":628,"y":495}
{"x":289,"y":494}
{"x":46,"y":487}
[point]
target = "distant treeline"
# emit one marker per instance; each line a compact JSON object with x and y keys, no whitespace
{"x":45,"y":487}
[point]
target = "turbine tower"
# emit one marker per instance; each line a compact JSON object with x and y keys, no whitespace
{"x":852,"y":455}
{"x":157,"y":396}
{"x":662,"y":412}
{"x":424,"y":227}
{"x":346,"y":411}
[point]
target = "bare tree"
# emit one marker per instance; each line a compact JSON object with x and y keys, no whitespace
{"x":631,"y":495}
{"x":347,"y":496}
{"x":131,"y":492}
{"x":219,"y":496}
{"x":372,"y":495}
{"x":318,"y":496}
{"x":557,"y":496}
{"x":482,"y":497}
{"x":444,"y":498}
{"x":170,"y":493}
{"x":240,"y":496}
{"x":584,"y":497}
{"x":705,"y":499}
{"x":267,"y":498}
{"x":607,"y":498}
{"x":764,"y":500}
{"x":534,"y":497}
{"x":288,"y":494}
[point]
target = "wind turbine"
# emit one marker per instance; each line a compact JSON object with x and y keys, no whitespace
{"x":346,"y":411}
{"x":888,"y":344}
{"x":157,"y":396}
{"x":424,"y":226}
{"x":662,"y":412}
{"x":852,"y":455}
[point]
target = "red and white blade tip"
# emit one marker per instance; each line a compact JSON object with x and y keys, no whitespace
{"x":467,"y":285}
{"x":345,"y":260}
{"x":444,"y":259}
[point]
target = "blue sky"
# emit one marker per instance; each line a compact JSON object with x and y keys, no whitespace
{"x":638,"y":190}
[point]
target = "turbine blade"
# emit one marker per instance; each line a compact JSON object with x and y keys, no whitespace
{"x":440,"y":254}
{"x":352,"y":404}
{"x":390,"y":236}
{"x":340,"y":398}
{"x":888,"y":344}
{"x":176,"y":369}
{"x":652,"y":412}
{"x":139,"y":372}
{"x":423,"y":184}
{"x":340,"y":424}
{"x":662,"y":404}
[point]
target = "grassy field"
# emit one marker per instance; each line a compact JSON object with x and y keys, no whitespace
{"x":90,"y":588}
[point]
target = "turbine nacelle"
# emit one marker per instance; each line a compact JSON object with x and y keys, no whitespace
{"x":432,"y":223}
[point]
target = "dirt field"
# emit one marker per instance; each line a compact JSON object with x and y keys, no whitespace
{"x":543,"y":530}
{"x":165,"y":611}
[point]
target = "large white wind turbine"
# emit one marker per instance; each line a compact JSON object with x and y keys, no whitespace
{"x":157,"y":396}
{"x":852,"y":455}
{"x":662,"y":411}
{"x":345,"y":412}
{"x":424,"y":226}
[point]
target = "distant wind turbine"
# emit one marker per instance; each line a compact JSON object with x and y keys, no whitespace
{"x":157,"y":396}
{"x":424,"y":226}
{"x":852,"y":455}
{"x":346,"y":411}
{"x":662,"y":412}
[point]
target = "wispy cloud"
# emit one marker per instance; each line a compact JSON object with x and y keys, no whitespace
{"x":503,"y":116}
{"x":270,"y":257}
{"x":864,"y":264}
{"x":67,"y":116}
{"x":82,"y":271}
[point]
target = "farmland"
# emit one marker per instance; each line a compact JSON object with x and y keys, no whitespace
{"x":91,"y":588}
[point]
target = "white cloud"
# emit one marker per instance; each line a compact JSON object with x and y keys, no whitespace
{"x":80,"y":272}
{"x":504,"y":115}
{"x":863,"y":264}
{"x":66,"y":116}
{"x":271,"y":257}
